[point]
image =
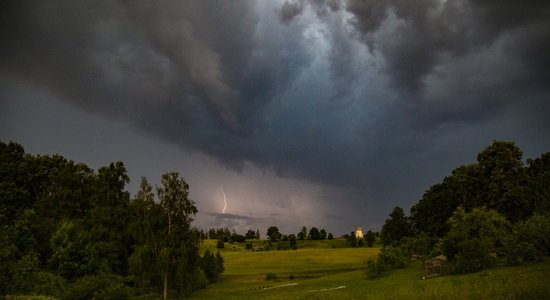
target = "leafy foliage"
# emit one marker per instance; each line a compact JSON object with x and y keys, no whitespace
{"x":369,"y":238}
{"x":530,"y":240}
{"x":389,"y":258}
{"x":273,"y":233}
{"x":67,"y":230}
{"x":472,"y":236}
{"x":396,"y":227}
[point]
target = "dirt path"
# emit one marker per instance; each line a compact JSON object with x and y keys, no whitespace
{"x":280,"y":286}
{"x":331,"y":289}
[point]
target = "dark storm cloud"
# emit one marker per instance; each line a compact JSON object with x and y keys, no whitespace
{"x":427,"y":31}
{"x":291,"y":10}
{"x":194,"y":72}
{"x":370,"y":101}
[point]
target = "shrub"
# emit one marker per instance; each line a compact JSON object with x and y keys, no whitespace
{"x":271,"y":276}
{"x":392,"y":258}
{"x":421,"y":244}
{"x":98,"y":287}
{"x":212,"y":266}
{"x":530,"y":240}
{"x":471,"y":237}
{"x":388,"y":258}
{"x":28,"y":278}
{"x":374,"y":269}
{"x":220,"y":244}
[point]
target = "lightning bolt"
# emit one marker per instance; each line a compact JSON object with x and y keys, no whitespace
{"x":224,"y":202}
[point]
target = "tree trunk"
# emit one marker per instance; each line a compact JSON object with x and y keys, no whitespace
{"x":165,"y":287}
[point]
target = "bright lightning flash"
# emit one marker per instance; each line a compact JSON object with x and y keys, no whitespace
{"x":224,"y":203}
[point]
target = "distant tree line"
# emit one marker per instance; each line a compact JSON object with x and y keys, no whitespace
{"x":496,"y":207}
{"x":74,"y":233}
{"x":224,"y":235}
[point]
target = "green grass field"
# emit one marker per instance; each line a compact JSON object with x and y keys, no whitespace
{"x":325,"y":270}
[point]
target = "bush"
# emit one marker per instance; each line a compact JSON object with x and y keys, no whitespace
{"x":220,"y":244}
{"x":98,"y":287}
{"x":271,"y":276}
{"x":28,"y":278}
{"x":392,"y":258}
{"x":212,"y":266}
{"x":419,"y":245}
{"x":388,"y":258}
{"x":374,"y":269}
{"x":471,"y":237}
{"x":530,"y":240}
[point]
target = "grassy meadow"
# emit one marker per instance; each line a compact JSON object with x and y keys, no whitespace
{"x":329,"y":270}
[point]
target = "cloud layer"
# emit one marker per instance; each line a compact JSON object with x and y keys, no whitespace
{"x":380,"y":98}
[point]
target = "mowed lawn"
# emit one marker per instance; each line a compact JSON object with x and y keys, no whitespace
{"x":338,"y":273}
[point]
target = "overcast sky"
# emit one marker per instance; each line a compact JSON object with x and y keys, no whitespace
{"x":319,"y":113}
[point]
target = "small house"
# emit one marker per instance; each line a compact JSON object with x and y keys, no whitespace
{"x":436,"y":266}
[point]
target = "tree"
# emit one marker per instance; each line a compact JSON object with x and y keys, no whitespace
{"x":179,"y":247}
{"x":106,"y":235}
{"x":250,"y":235}
{"x":330,"y":236}
{"x":530,"y":240}
{"x":313,"y":233}
{"x":67,"y":251}
{"x":369,"y":238}
{"x":273,"y":233}
{"x":322,"y":234}
{"x":165,"y":234}
{"x":497,"y":181}
{"x":472,"y":236}
{"x":396,"y":227}
{"x":503,"y":181}
{"x":538,"y":173}
{"x":212,"y":265}
{"x":438,"y":203}
{"x":257,"y":234}
{"x":352,"y":239}
{"x":292,"y":240}
{"x":302,"y":235}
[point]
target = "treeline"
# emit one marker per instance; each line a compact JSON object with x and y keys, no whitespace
{"x":495,"y":208}
{"x":71,"y":232}
{"x":224,"y":235}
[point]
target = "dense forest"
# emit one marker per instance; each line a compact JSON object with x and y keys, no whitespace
{"x":71,"y":232}
{"x":495,"y":208}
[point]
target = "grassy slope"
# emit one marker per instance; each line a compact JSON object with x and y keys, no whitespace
{"x":319,"y":269}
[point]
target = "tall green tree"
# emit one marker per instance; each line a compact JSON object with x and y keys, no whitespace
{"x":503,"y":181}
{"x":539,"y":183}
{"x":430,"y":214}
{"x":396,"y":227}
{"x":107,"y":237}
{"x":144,"y":261}
{"x":165,"y":235}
